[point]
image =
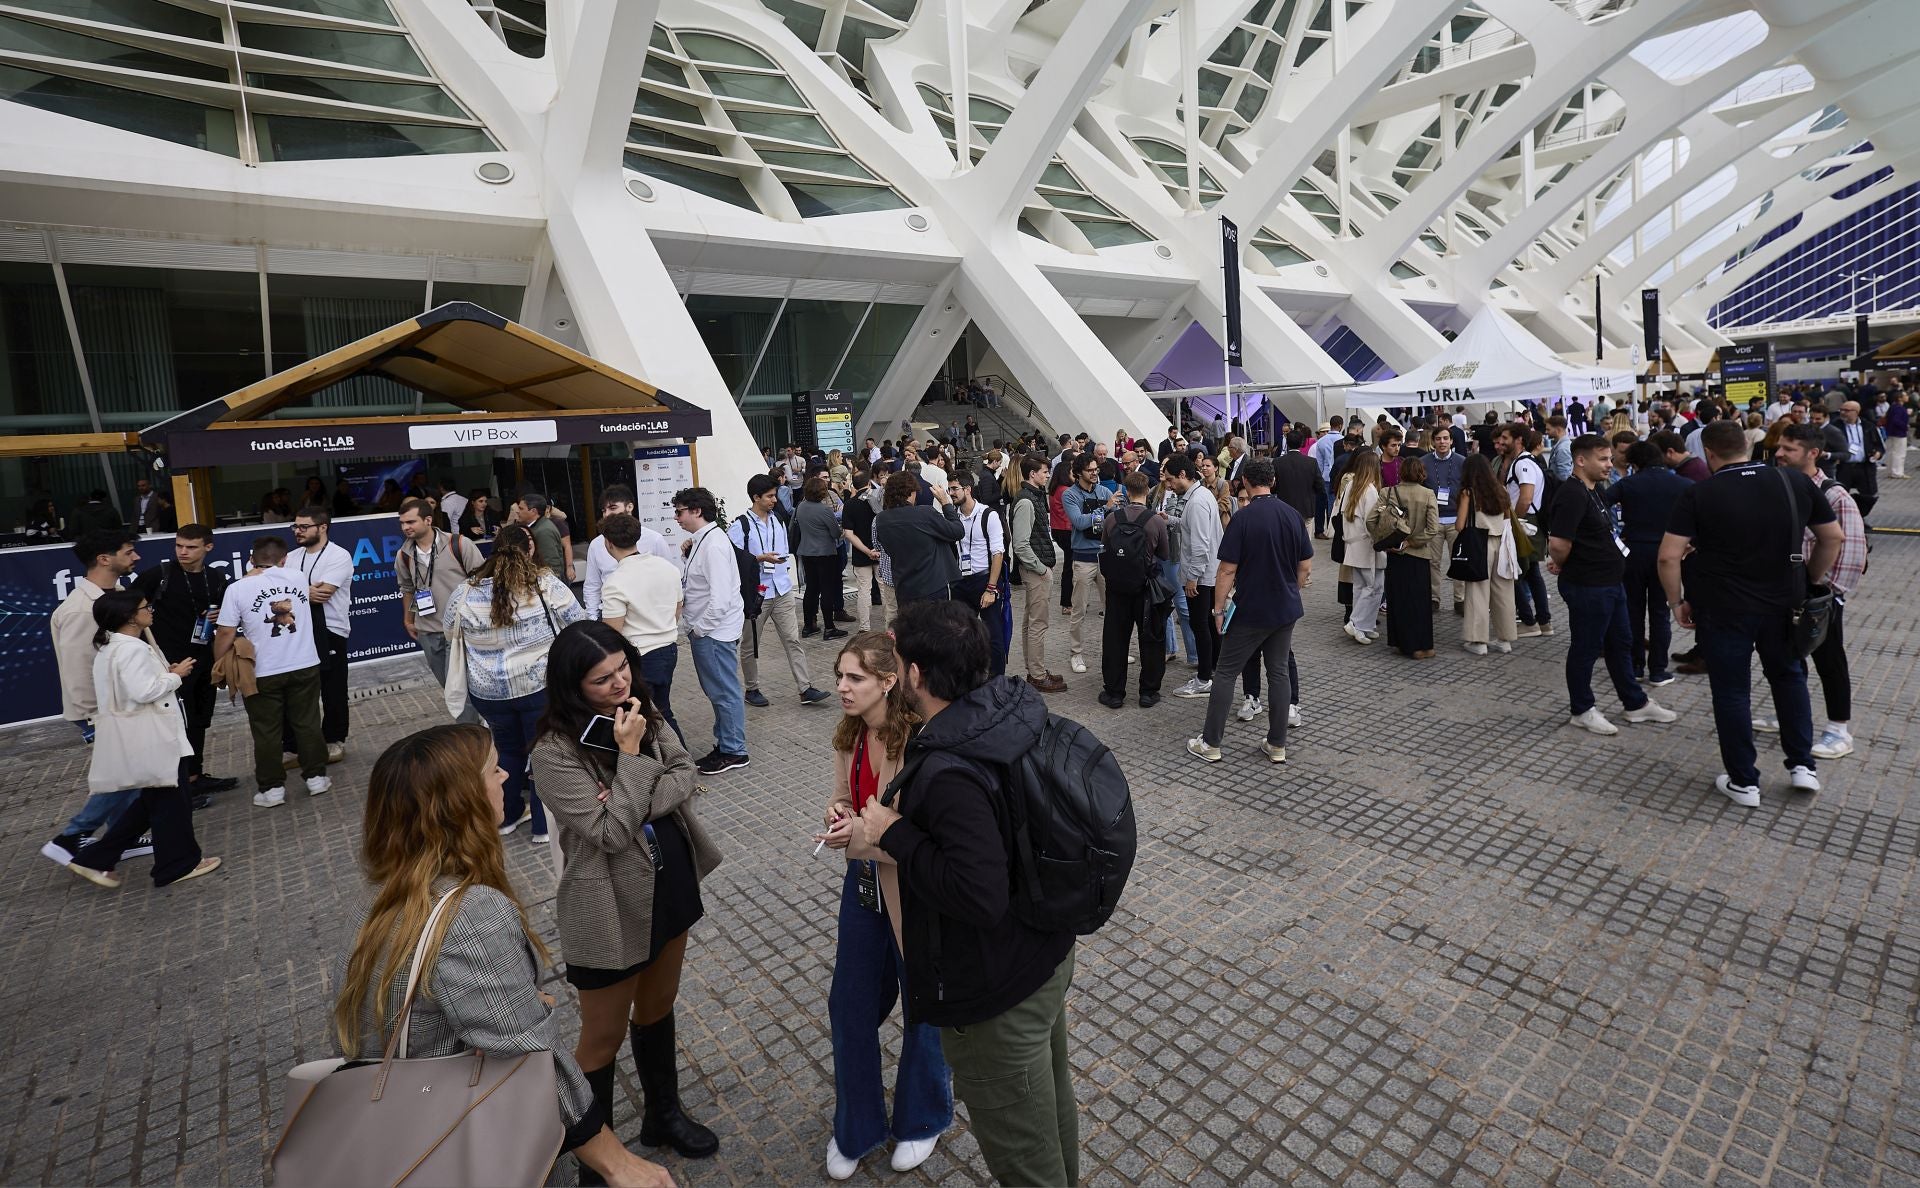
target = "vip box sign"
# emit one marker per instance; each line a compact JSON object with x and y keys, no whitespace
{"x":482,"y":435}
{"x":33,"y":581}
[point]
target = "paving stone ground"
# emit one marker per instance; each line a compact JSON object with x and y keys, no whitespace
{"x":1453,"y":941}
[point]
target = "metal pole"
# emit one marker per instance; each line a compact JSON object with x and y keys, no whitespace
{"x":1226,"y":380}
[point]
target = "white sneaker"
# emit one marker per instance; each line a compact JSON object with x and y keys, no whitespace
{"x":526,"y":814}
{"x":1132,"y":659}
{"x":911,"y":1153}
{"x":1546,"y":628}
{"x":1250,"y":709}
{"x":1766,"y":725}
{"x":1833,"y":744}
{"x":1744,"y":795}
{"x":1077,"y":663}
{"x":336,"y":752}
{"x":271,"y":798}
{"x":1195,"y":688}
{"x":1355,"y":634}
{"x":838,"y":1165}
{"x":1803,"y":780}
{"x":1501,"y":646}
{"x":1293,"y":715}
{"x":1274,"y":754}
{"x":1477,"y":649}
{"x":318,"y":785}
{"x":1595,"y":721}
{"x":1200,"y":748}
{"x":1653,"y":711}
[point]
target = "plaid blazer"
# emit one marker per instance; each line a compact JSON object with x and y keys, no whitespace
{"x":481,"y":993}
{"x":604,"y":904}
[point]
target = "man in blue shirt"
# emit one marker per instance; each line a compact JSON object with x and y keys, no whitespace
{"x":1322,"y":455}
{"x":764,"y":534}
{"x":1265,"y":558}
{"x":1645,"y":500}
{"x":1086,"y":503}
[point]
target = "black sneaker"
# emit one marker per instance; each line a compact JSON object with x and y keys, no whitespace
{"x":833,"y":633}
{"x":141,"y":848}
{"x":202,"y":801}
{"x":1149,"y":700}
{"x":756,"y":698}
{"x":813,"y":696}
{"x":716,"y":763}
{"x":807,"y":631}
{"x":207,"y":783}
{"x":61,"y":850}
{"x":1112,"y":700}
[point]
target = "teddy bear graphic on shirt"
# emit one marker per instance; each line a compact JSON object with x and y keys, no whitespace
{"x":280,"y":617}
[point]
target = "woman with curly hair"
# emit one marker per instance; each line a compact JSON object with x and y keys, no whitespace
{"x":434,"y":803}
{"x":868,"y":971}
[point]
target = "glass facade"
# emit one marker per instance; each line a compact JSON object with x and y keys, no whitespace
{"x":301,"y":80}
{"x":716,"y":116}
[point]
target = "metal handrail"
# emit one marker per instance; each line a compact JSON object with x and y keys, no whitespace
{"x":1006,"y":388}
{"x":1158,"y":381}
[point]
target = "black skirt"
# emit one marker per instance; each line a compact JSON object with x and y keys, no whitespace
{"x":1409,"y":605}
{"x":676,"y":906}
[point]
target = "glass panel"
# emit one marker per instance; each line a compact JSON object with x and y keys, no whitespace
{"x":899,"y":10}
{"x":641,"y":134}
{"x":854,"y":36}
{"x":1213,"y":87}
{"x":783,"y":126}
{"x":311,"y":315}
{"x":1434,"y":242}
{"x":934,"y":100}
{"x":1155,"y":150}
{"x":873,"y":351}
{"x":30,"y":38}
{"x":37,"y":374}
{"x":816,"y":200}
{"x":1257,"y":15}
{"x":1308,"y":47}
{"x":646,"y":102}
{"x":501,"y":299}
{"x":151,"y":15}
{"x":1233,"y":48}
{"x":1268,"y":64}
{"x":713,"y":185}
{"x":804,"y":19}
{"x":805,"y":346}
{"x":375,"y":11}
{"x":818,"y":162}
{"x":1251,"y":100}
{"x":376,"y":50}
{"x":765,"y":88}
{"x":1280,"y":254}
{"x":1103,"y":235}
{"x":1386,"y":200}
{"x":986,"y":111}
{"x":1405,"y":271}
{"x":191,"y":124}
{"x":662,"y":71}
{"x":301,"y":138}
{"x":1314,"y":200}
{"x":1027,"y":228}
{"x":425,"y":98}
{"x":705,"y":47}
{"x":159,"y":340}
{"x":1057,"y":174}
{"x":658,"y":39}
{"x":1086,"y":203}
{"x":732,"y":328}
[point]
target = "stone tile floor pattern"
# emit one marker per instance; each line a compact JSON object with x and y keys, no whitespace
{"x":1452,"y":942}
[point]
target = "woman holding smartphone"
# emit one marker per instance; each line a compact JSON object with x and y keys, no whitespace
{"x":620,"y":788}
{"x":868,"y":971}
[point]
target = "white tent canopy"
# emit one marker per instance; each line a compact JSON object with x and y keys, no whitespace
{"x":1493,"y":360}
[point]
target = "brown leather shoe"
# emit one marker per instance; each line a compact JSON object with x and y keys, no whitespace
{"x":1053,"y":684}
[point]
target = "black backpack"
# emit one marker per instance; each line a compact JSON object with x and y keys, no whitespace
{"x":749,"y":573}
{"x":1126,"y":555}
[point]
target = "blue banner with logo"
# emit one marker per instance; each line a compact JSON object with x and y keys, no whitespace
{"x":34,"y":580}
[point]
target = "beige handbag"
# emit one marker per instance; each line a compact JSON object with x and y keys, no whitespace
{"x":451,"y":1121}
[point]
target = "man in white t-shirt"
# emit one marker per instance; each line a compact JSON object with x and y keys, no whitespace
{"x":641,"y":599}
{"x":328,"y":569}
{"x":618,"y":500}
{"x":931,"y":470}
{"x":1526,"y":482}
{"x":453,"y":504}
{"x":271,"y":608}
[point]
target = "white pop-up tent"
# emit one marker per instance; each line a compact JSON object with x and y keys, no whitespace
{"x":1493,"y":361}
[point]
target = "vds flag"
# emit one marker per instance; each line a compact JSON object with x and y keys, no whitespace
{"x":1230,"y":265}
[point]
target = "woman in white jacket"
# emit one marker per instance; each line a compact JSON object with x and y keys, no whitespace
{"x":1359,"y":492}
{"x":139,"y":739}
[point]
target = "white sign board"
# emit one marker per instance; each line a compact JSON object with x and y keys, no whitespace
{"x":481,"y":435}
{"x":659,"y":471}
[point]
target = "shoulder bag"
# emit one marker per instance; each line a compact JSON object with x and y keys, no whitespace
{"x":1812,"y":607}
{"x":1469,"y":560}
{"x":446,"y":1120}
{"x":1387,"y":523}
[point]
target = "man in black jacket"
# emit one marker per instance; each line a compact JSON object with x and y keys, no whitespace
{"x":185,"y":594}
{"x":918,"y":540}
{"x":995,"y":987}
{"x":1296,"y":477}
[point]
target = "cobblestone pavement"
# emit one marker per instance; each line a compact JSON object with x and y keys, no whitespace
{"x":1452,"y":942}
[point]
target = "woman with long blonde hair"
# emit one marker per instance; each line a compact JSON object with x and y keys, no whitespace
{"x":868,"y":970}
{"x":434,"y":802}
{"x":1359,"y":492}
{"x":509,"y":613}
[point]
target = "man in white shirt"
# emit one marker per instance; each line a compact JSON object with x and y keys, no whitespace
{"x":272,"y":608}
{"x":714,"y":616}
{"x":764,"y":534}
{"x":328,"y":569}
{"x":641,"y":599}
{"x":109,"y":555}
{"x":618,"y":500}
{"x":934,"y":474}
{"x":983,"y":556}
{"x":873,"y":453}
{"x":453,"y":504}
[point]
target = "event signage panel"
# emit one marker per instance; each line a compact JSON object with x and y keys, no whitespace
{"x":479,"y":435}
{"x":659,"y":471}
{"x":1746,"y":372}
{"x":1230,"y":287}
{"x":35,"y":580}
{"x":823,"y":420}
{"x":292,"y":440}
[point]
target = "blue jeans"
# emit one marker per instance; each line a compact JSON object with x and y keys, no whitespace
{"x":514,"y":722}
{"x":101,"y":808}
{"x":1597,"y":617}
{"x":1727,"y":644}
{"x":868,"y":975}
{"x":656,"y":669}
{"x":1530,"y":595}
{"x":717,"y":663}
{"x":1171,"y":570}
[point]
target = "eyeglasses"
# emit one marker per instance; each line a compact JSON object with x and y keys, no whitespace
{"x":299,"y":527}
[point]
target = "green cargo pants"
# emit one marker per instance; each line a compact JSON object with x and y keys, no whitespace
{"x":1012,"y":1073}
{"x":296,"y":695}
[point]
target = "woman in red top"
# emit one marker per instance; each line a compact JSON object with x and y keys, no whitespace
{"x":868,"y":971}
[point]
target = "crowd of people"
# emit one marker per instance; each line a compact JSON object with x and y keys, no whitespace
{"x":907,"y":558}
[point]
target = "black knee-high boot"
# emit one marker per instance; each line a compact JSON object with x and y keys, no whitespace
{"x":656,"y":1057}
{"x":601,"y":1082}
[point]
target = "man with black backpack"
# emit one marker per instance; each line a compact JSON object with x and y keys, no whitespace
{"x":977,"y":965}
{"x":1133,"y":543}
